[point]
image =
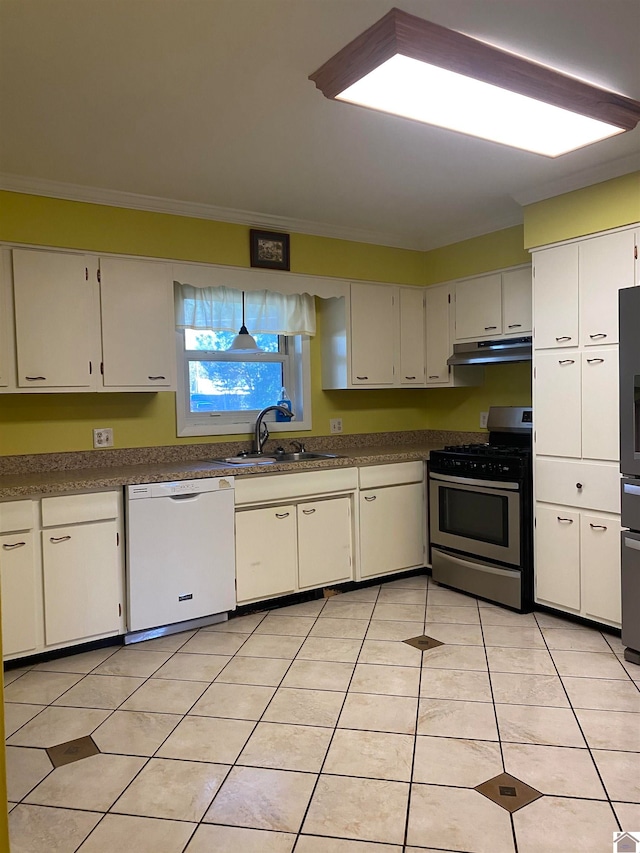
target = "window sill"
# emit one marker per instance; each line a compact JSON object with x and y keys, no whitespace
{"x":240,"y":428}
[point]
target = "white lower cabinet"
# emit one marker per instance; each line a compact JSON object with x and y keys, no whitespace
{"x":81,"y":590}
{"x":19,"y":572}
{"x":265,"y":552}
{"x":325,"y":542}
{"x":578,"y":562}
{"x":62,"y":571}
{"x":392,"y":518}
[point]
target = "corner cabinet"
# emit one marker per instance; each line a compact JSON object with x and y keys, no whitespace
{"x":575,"y":407}
{"x":62,"y":571}
{"x":373,"y":338}
{"x":87,"y":324}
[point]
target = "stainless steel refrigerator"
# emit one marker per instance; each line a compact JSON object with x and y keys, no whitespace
{"x":630,"y":468}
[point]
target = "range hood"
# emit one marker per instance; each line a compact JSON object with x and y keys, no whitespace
{"x":491,"y":352}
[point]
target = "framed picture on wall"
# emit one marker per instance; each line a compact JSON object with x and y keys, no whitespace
{"x":269,"y":249}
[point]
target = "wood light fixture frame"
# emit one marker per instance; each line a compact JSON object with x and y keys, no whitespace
{"x":399,"y":32}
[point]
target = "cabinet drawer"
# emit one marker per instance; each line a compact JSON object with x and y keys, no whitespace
{"x":74,"y":509}
{"x":375,"y":476}
{"x":556,"y":482}
{"x":259,"y":489}
{"x":16,"y":515}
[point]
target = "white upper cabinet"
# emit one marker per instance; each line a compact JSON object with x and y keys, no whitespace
{"x":516,"y":302}
{"x":372,"y":334}
{"x":606,"y":266}
{"x":84,"y":324}
{"x":437,"y":333}
{"x":558,"y":404}
{"x":55,"y":320}
{"x":555,"y":297}
{"x":136,"y":299}
{"x":479,"y":308}
{"x":412,"y":352}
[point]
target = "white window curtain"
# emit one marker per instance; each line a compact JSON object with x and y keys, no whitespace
{"x":266,"y":312}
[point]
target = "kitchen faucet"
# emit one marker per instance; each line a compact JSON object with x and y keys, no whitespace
{"x":261,"y":433}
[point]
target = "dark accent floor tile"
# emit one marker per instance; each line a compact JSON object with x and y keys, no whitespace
{"x":72,"y":750}
{"x":508,"y":792}
{"x":423,"y":643}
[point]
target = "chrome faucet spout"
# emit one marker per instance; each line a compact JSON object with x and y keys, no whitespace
{"x":261,"y":432}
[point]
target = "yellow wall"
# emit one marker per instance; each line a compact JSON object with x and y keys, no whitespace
{"x":480,"y":254}
{"x":609,"y":204}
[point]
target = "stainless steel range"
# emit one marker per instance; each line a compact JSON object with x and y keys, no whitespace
{"x":481,"y":519}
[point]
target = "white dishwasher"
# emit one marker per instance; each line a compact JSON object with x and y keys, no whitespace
{"x":180,"y":555}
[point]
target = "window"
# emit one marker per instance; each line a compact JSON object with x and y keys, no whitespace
{"x":221,"y":392}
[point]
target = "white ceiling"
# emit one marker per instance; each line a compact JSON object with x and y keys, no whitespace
{"x":207,"y":103}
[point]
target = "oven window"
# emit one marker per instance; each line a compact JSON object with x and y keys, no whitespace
{"x":474,"y":515}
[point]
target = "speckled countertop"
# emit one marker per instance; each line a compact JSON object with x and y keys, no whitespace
{"x":51,"y":474}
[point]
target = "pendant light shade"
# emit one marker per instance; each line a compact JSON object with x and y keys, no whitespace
{"x":243,"y":341}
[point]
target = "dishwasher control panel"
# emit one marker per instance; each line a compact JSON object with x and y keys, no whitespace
{"x":177,"y":488}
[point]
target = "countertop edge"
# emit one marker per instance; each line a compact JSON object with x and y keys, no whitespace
{"x":46,"y":484}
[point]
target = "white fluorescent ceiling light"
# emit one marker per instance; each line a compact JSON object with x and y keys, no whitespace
{"x":412,"y":68}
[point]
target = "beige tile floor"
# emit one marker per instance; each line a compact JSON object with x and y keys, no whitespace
{"x":314,"y":729}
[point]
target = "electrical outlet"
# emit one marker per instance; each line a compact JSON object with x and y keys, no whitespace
{"x":483,"y":419}
{"x":335,"y":425}
{"x":102,"y":438}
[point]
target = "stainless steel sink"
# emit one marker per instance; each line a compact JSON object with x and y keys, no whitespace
{"x":302,"y":456}
{"x":269,"y":458}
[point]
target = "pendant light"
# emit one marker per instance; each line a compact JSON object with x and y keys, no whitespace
{"x":243,"y":341}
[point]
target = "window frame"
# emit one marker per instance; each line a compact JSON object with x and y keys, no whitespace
{"x":297,"y":375}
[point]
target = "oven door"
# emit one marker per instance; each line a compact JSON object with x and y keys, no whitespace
{"x":477,"y":517}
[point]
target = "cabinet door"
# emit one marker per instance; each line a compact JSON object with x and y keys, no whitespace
{"x":606,"y":265}
{"x":557,"y":557}
{"x":557,"y":404}
{"x":324,"y":542}
{"x":600,"y":553}
{"x":55,"y":308}
{"x":479,"y":308}
{"x":412,"y":354}
{"x":438,"y":337}
{"x":392,"y":522}
{"x":600,"y":393}
{"x":136,"y":301}
{"x":372,"y":334}
{"x":555,"y":297}
{"x":81,"y":590}
{"x":18,"y":572}
{"x":266,"y":552}
{"x":516,"y":302}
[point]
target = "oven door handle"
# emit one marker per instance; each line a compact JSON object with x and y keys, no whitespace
{"x":474,"y":481}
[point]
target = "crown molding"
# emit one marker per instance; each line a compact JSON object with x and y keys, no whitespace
{"x":196,"y":210}
{"x":580,"y":180}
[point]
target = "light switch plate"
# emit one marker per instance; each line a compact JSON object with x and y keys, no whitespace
{"x":102,"y":438}
{"x":335,"y":425}
{"x":483,"y":419}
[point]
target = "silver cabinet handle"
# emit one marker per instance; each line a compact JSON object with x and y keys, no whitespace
{"x":409,"y":377}
{"x":514,"y":326}
{"x":35,"y":378}
{"x":595,"y":360}
{"x":490,"y":328}
{"x":435,"y":376}
{"x":567,"y":361}
{"x":362,"y":377}
{"x":370,"y":497}
{"x":11,"y":545}
{"x":56,"y":539}
{"x":565,"y":520}
{"x":598,"y":526}
{"x":282,"y":515}
{"x":308,"y":511}
{"x":564,"y":338}
{"x":598,"y":335}
{"x":156,"y":377}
